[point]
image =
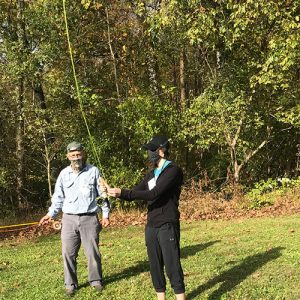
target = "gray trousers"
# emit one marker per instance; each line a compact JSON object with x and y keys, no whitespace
{"x":77,"y":230}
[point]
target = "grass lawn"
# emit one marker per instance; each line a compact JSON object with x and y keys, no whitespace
{"x":238,"y":259}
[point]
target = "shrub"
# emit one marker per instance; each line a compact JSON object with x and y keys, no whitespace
{"x":265,"y":192}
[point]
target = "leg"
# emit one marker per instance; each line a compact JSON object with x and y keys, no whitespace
{"x":155,"y":261}
{"x":169,"y":236}
{"x":70,"y":238}
{"x":161,"y":296}
{"x":89,"y":231}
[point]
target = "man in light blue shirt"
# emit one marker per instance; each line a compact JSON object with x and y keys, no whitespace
{"x":76,"y":190}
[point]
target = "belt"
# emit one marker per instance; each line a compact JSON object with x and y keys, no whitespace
{"x":83,"y":214}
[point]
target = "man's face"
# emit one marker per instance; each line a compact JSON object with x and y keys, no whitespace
{"x":76,"y":159}
{"x":75,"y":155}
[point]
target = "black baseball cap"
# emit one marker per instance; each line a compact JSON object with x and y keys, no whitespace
{"x":157,"y":142}
{"x":74,"y":146}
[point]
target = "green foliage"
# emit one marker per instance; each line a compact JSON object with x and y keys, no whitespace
{"x":3,"y":178}
{"x":119,"y":174}
{"x":265,"y":192}
{"x":145,"y":116}
{"x":237,"y":61}
{"x":290,"y":116}
{"x":215,"y":115}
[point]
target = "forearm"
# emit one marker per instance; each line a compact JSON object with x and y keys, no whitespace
{"x":167,"y":182}
{"x":55,"y":207}
{"x":57,"y":199}
{"x":132,"y":195}
{"x":125,"y":194}
{"x":105,"y":209}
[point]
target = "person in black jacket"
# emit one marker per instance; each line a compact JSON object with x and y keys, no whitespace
{"x":161,"y":189}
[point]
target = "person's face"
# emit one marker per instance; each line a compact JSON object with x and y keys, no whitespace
{"x":161,"y":153}
{"x":155,"y":156}
{"x":76,"y":159}
{"x":75,"y":155}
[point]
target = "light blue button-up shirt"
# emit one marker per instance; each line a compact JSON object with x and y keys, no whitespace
{"x":76,"y":193}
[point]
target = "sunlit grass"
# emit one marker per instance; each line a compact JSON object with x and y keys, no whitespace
{"x":238,"y":259}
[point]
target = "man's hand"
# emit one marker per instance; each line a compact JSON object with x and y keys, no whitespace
{"x":114,"y":192}
{"x":105,"y":222}
{"x":103,"y":185}
{"x":45,"y":220}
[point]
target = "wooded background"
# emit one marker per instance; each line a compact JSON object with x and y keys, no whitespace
{"x":220,"y":78}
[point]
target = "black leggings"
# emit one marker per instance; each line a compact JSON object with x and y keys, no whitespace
{"x":163,"y":250}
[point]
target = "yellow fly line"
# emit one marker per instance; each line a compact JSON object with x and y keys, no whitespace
{"x":95,"y":153}
{"x":18,"y":225}
{"x":13,"y":228}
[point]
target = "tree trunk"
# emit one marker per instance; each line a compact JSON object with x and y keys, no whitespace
{"x":21,"y":35}
{"x":182,"y":80}
{"x":48,"y":137}
{"x":238,"y":167}
{"x":48,"y":159}
{"x":153,"y":70}
{"x":20,"y":145}
{"x":183,"y":94}
{"x":112,"y":55}
{"x":175,"y":81}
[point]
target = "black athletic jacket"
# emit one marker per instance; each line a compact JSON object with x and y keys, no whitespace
{"x":163,"y":199}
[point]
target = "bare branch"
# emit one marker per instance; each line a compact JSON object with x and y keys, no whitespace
{"x":252,"y":153}
{"x":238,"y":131}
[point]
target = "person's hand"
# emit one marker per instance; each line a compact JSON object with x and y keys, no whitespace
{"x":105,"y":222}
{"x":103,"y":185}
{"x":114,"y":192}
{"x":45,"y":220}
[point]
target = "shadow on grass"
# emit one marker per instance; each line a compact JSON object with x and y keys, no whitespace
{"x":83,"y":285}
{"x":232,"y":277}
{"x":143,"y":266}
{"x":193,"y":249}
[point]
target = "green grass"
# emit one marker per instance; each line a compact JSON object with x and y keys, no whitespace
{"x":237,"y":259}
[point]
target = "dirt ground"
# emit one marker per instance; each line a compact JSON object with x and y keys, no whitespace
{"x":194,"y":205}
